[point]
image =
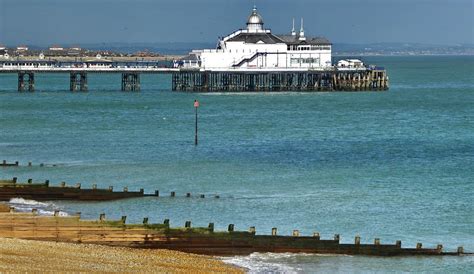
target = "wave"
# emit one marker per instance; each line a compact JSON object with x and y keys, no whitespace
{"x":25,"y":205}
{"x":275,"y":262}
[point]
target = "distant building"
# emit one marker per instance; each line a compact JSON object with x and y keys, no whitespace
{"x":56,"y":48}
{"x":4,"y":54}
{"x":22,"y":48}
{"x":74,"y":51}
{"x":2,"y":47}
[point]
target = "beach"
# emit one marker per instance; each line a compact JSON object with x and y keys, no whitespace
{"x":23,"y":255}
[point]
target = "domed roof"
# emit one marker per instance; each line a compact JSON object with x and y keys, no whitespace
{"x":255,"y":18}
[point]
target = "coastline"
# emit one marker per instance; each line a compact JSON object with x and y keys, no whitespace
{"x":39,"y":256}
{"x":26,"y":255}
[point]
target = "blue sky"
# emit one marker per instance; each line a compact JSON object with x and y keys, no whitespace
{"x":47,"y":22}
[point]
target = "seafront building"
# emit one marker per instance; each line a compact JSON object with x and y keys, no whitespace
{"x":257,"y":47}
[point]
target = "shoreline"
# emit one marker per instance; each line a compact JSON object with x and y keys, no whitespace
{"x":40,"y":256}
{"x":30,"y":255}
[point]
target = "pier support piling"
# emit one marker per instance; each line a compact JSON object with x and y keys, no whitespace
{"x":21,"y":81}
{"x":130,"y":82}
{"x":374,"y":79}
{"x":78,"y":81}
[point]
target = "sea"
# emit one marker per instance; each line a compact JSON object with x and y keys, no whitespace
{"x":394,"y":165}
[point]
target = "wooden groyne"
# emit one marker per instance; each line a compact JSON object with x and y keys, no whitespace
{"x":372,"y":79}
{"x":199,"y":240}
{"x":4,"y":163}
{"x":45,"y":192}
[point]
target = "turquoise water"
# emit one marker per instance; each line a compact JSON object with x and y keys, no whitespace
{"x":397,"y":165}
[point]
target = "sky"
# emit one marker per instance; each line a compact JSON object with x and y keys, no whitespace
{"x":46,"y":22}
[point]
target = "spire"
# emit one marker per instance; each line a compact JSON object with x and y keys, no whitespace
{"x":293,"y":32}
{"x":302,"y":31}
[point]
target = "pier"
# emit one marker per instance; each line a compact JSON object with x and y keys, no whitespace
{"x":199,"y":240}
{"x":79,"y":71}
{"x":371,"y":78}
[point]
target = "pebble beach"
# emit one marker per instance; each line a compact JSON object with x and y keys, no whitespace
{"x":27,"y":256}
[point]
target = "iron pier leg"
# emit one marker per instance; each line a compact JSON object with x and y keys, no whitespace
{"x":83,"y":83}
{"x":21,"y":81}
{"x":31,"y":82}
{"x":73,"y":81}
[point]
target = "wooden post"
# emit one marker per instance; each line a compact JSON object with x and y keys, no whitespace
{"x":357,"y":240}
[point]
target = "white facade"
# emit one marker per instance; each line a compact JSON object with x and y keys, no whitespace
{"x":56,"y":48}
{"x":257,"y":48}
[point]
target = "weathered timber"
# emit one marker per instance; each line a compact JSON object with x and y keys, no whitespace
{"x":4,"y":163}
{"x":371,"y":79}
{"x":200,"y":240}
{"x":44,"y":192}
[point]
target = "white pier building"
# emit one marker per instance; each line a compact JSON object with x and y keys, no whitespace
{"x":258,"y":48}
